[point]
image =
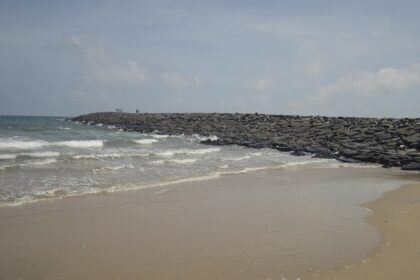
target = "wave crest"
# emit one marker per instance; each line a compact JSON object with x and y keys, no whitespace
{"x":146,"y":141}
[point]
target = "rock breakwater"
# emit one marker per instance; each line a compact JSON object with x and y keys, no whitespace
{"x":390,"y":142}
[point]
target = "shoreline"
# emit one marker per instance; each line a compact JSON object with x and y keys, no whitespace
{"x":396,"y":216}
{"x":264,"y":225}
{"x":389,"y":142}
{"x":295,"y":167}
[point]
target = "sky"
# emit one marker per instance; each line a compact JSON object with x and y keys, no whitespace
{"x":330,"y":58}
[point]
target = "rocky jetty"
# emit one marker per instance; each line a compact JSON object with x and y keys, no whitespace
{"x":390,"y":142}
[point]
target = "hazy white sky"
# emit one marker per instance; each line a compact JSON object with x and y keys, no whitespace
{"x":358,"y":58}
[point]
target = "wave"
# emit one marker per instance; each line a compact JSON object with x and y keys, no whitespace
{"x":20,"y":144}
{"x":7,"y":156}
{"x":39,"y":162}
{"x":29,"y":155}
{"x":40,"y":154}
{"x":244,"y":157}
{"x":159,"y":136}
{"x":98,"y":156}
{"x":34,"y":163}
{"x":170,"y":153}
{"x":203,"y":138}
{"x":36,"y":144}
{"x":113,"y":168}
{"x":64,"y":128}
{"x":109,"y":155}
{"x":146,"y":141}
{"x":178,"y":161}
{"x":80,"y":143}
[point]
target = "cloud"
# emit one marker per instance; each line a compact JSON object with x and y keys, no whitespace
{"x":315,"y":62}
{"x":102,"y":69}
{"x":177,"y":81}
{"x":288,"y":29}
{"x":261,"y":84}
{"x":385,"y":81}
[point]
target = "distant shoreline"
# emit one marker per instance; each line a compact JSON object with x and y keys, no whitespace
{"x":390,"y":142}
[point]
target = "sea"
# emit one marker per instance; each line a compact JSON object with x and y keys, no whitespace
{"x":51,"y":158}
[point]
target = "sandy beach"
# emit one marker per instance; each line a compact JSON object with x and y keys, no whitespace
{"x":274,"y":224}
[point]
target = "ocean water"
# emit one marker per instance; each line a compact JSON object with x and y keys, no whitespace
{"x":50,"y":157}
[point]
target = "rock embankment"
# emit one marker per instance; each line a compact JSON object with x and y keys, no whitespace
{"x":390,"y":142}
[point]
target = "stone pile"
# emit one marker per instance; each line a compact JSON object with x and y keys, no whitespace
{"x":390,"y":142}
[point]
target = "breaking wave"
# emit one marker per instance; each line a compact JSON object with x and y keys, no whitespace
{"x":146,"y":141}
{"x":178,"y":161}
{"x":27,"y":145}
{"x":170,"y":153}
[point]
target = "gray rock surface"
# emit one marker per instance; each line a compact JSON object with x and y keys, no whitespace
{"x":390,"y":142}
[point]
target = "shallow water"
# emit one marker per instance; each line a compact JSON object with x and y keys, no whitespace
{"x":49,"y":157}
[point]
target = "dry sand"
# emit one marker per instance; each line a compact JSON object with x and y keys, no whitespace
{"x":262,"y":225}
{"x":397,"y":216}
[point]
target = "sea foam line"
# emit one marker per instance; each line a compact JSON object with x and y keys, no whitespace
{"x":178,"y":161}
{"x":146,"y":141}
{"x":169,"y":153}
{"x":294,"y":166}
{"x":25,"y":145}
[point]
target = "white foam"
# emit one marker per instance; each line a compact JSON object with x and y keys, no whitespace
{"x":170,"y":153}
{"x":114,"y":168}
{"x":20,"y":144}
{"x":146,"y":141}
{"x":41,"y":154}
{"x":177,"y":161}
{"x":4,"y":167}
{"x":80,"y":143}
{"x":159,"y":136}
{"x":27,"y":145}
{"x":166,"y":153}
{"x":201,"y":151}
{"x":158,"y":162}
{"x":98,"y":156}
{"x":184,"y":161}
{"x":64,"y":128}
{"x":203,"y":138}
{"x":38,"y":162}
{"x":7,"y":156}
{"x":245,"y":157}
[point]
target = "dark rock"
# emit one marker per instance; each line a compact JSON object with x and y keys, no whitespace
{"x":299,"y":153}
{"x":349,"y":152}
{"x":348,"y":160}
{"x":321,"y":152}
{"x":411,"y":166}
{"x":282,"y":147}
{"x":381,"y":136}
{"x":390,"y":142}
{"x":413,"y":140}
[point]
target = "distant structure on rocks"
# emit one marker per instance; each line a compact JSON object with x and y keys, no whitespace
{"x":119,"y":110}
{"x":137,"y":111}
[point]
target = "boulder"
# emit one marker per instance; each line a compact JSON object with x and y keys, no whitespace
{"x":411,"y":166}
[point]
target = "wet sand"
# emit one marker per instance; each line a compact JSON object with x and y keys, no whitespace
{"x":262,"y":225}
{"x":397,"y":216}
